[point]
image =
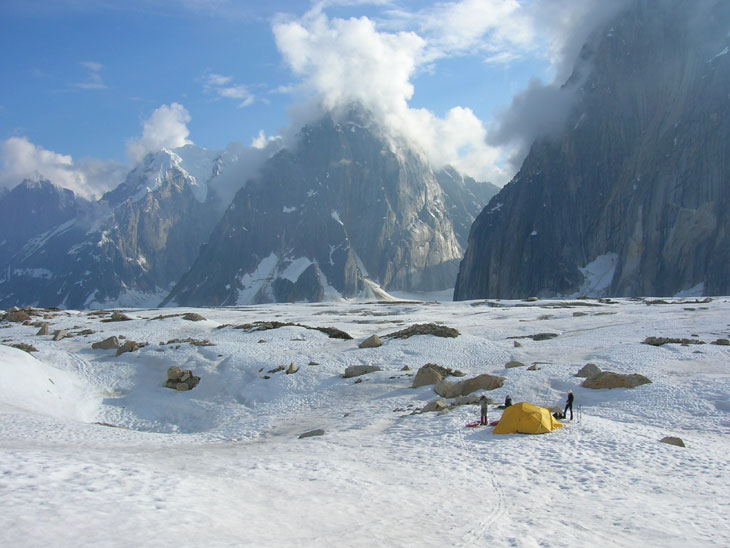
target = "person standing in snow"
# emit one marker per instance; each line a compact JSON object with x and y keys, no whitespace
{"x":484,"y":405}
{"x":507,"y":401}
{"x":569,"y":405}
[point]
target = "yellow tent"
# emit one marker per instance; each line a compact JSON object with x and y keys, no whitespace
{"x":526,"y":418}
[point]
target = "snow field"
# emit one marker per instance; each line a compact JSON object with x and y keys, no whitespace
{"x":222,"y":465}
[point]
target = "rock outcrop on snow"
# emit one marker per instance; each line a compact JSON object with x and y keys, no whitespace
{"x":632,"y":196}
{"x":609,"y":379}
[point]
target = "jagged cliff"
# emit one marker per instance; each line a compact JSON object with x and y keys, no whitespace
{"x":342,"y":210}
{"x":126,"y":249}
{"x":632,"y":196}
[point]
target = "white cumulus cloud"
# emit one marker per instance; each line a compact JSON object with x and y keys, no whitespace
{"x":165,"y":128}
{"x":21,"y":159}
{"x":346,"y":61}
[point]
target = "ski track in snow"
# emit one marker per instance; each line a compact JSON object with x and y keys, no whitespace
{"x":222,"y":465}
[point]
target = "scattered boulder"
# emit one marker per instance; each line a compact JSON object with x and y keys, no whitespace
{"x":448,"y":389}
{"x":721,"y":342}
{"x":517,"y":344}
{"x":534,"y":367}
{"x":110,"y":343}
{"x":60,"y":334}
{"x":428,"y":374}
{"x":312,"y":433}
{"x":536,"y":336}
{"x":277,"y":369}
{"x":25,"y":347}
{"x":513,"y":363}
{"x":181,"y":379}
{"x":405,"y":368}
{"x":425,"y":329}
{"x":128,"y":346}
{"x":608,"y":379}
{"x":193,"y":317}
{"x":673,"y":441}
{"x":531,"y":299}
{"x":543,"y":336}
{"x":117,"y":317}
{"x":331,"y":332}
{"x":659,"y":341}
{"x":44,"y":330}
{"x":471,"y":399}
{"x":292,"y":368}
{"x":588,"y":370}
{"x":17,"y":316}
{"x":357,"y":370}
{"x":436,"y":405}
{"x":373,"y":341}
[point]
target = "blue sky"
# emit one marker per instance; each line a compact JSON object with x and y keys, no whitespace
{"x":90,"y":85}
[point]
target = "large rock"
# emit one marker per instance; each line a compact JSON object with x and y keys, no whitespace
{"x":357,"y":370}
{"x":17,"y":316}
{"x":630,"y":196}
{"x":588,"y":370}
{"x":447,"y":389}
{"x":428,"y":374}
{"x":425,"y":329}
{"x":128,"y":346}
{"x":435,"y":406}
{"x":110,"y":343}
{"x":312,"y":433}
{"x":673,"y":441}
{"x":608,"y":379}
{"x":373,"y":341}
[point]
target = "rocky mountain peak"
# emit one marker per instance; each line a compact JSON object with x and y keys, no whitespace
{"x":631,"y":198}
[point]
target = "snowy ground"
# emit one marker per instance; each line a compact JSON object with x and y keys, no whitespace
{"x":222,"y":465}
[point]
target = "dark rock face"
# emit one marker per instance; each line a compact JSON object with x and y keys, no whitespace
{"x":342,"y":208}
{"x":637,"y":183}
{"x":136,"y":241}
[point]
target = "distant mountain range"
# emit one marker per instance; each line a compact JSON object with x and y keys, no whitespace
{"x":632,"y":197}
{"x":345,"y":212}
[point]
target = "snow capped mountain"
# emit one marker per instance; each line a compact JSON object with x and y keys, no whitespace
{"x":632,"y":197}
{"x":340,"y":208}
{"x":127,"y":249}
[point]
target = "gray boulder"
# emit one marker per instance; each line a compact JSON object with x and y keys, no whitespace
{"x":447,"y":389}
{"x":673,"y":441}
{"x":312,"y":433}
{"x":513,"y":363}
{"x":193,"y":317}
{"x":436,"y":405}
{"x":588,"y":370}
{"x":428,"y":374}
{"x":608,"y":379}
{"x":110,"y":343}
{"x":373,"y":341}
{"x":128,"y":346}
{"x":357,"y":370}
{"x":60,"y":334}
{"x":292,"y":369}
{"x":43,"y":330}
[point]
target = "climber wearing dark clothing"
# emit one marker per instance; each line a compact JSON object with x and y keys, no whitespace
{"x":484,"y":403}
{"x":569,"y":405}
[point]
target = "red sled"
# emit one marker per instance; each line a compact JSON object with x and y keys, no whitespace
{"x":473,"y":424}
